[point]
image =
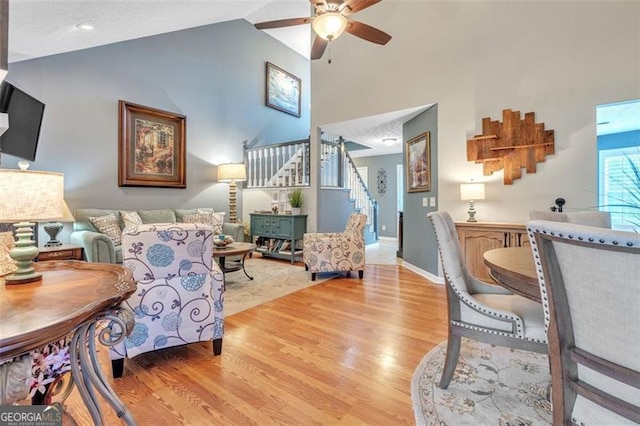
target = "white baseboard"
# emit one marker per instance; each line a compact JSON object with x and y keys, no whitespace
{"x":428,"y":275}
{"x":388,"y":238}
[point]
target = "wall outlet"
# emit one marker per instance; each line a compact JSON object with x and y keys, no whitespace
{"x":384,"y":227}
{"x":425,"y":202}
{"x":432,"y":201}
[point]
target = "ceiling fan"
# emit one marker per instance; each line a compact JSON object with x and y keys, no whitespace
{"x":331,"y":21}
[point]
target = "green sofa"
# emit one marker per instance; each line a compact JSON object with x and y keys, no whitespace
{"x":99,"y":248}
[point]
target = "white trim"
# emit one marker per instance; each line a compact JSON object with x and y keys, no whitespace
{"x":423,"y":273}
{"x":388,"y":238}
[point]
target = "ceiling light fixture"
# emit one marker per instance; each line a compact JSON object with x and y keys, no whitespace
{"x":329,"y":25}
{"x":87,"y":26}
{"x":389,"y":141}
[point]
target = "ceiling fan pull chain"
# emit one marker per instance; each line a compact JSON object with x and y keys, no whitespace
{"x":329,"y":61}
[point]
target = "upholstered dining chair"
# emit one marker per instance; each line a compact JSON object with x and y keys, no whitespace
{"x":600,"y":219}
{"x":180,"y":292}
{"x":336,"y":251}
{"x":588,"y":280}
{"x":481,"y":311}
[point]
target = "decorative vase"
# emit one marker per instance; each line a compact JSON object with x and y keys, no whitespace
{"x":295,"y":210}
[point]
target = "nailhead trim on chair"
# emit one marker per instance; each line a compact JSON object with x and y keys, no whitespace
{"x":576,"y":234}
{"x":514,"y":318}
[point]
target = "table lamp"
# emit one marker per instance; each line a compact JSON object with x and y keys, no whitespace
{"x":471,"y":192}
{"x":53,"y":228}
{"x":28,"y":196}
{"x":232,"y":173}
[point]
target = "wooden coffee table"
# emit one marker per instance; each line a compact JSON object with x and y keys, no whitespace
{"x":233,"y":249}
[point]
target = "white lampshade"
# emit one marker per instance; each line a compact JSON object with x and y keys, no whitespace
{"x":232,"y":172}
{"x":28,"y":196}
{"x":31,"y":195}
{"x":329,"y":25}
{"x":472,"y":191}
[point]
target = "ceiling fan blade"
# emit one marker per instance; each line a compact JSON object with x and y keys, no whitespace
{"x":367,"y":32}
{"x":353,"y":6}
{"x":282,"y":23}
{"x":318,"y":48}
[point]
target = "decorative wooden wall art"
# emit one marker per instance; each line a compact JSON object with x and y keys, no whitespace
{"x":511,"y":145}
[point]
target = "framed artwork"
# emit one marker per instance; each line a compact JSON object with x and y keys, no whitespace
{"x":283,"y":90}
{"x":152,"y":146}
{"x":418,"y":163}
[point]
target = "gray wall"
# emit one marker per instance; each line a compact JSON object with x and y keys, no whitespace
{"x":387,"y":202}
{"x":334,"y":210}
{"x":419,"y":241}
{"x":214,"y":75}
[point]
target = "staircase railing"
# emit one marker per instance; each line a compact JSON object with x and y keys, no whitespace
{"x":278,"y":165}
{"x":287,"y":165}
{"x":359,"y":192}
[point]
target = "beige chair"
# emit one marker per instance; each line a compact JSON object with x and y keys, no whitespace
{"x":589,"y":282}
{"x":336,"y":251}
{"x":481,"y":311}
{"x":595,"y":218}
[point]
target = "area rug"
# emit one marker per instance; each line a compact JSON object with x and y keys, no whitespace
{"x":272,"y":279}
{"x":492,"y":385}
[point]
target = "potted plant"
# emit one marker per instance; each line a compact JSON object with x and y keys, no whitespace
{"x":295,"y":200}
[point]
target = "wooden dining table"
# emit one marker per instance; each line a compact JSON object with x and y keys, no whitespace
{"x":513,"y":268}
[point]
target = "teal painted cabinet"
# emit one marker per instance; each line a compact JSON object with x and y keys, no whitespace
{"x":278,"y":235}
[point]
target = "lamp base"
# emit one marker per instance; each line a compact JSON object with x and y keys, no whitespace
{"x":53,"y":229}
{"x":23,"y":254}
{"x":472,"y":213}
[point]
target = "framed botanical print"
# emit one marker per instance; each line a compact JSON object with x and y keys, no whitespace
{"x":152,"y":146}
{"x":283,"y":90}
{"x":418,"y":163}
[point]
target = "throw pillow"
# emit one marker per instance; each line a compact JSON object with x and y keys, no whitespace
{"x":130,"y":219}
{"x":209,"y":218}
{"x":108,"y":225}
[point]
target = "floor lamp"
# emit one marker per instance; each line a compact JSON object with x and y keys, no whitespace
{"x":232,"y":173}
{"x":28,"y":196}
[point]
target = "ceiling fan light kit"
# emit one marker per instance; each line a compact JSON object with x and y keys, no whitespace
{"x":329,"y":25}
{"x":330,"y":21}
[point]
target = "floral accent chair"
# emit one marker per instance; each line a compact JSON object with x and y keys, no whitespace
{"x":180,"y":292}
{"x":336,"y":251}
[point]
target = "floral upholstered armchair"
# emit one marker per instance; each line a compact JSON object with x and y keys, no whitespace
{"x":336,"y":251}
{"x":180,"y":292}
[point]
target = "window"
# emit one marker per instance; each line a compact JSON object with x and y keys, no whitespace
{"x":619,"y":163}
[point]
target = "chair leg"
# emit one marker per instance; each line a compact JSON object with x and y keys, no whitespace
{"x":217,"y":346}
{"x":306,"y":267}
{"x":117,"y":367}
{"x":451,"y":360}
{"x":360,"y":274}
{"x":313,"y":276}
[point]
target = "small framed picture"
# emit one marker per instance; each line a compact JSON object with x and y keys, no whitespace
{"x":283,"y":90}
{"x":418,"y":163}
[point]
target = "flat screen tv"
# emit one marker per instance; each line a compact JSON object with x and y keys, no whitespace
{"x":25,"y":119}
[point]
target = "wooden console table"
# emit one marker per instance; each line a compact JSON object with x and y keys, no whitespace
{"x":72,"y":297}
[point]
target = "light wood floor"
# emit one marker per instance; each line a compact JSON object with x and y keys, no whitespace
{"x":341,"y":352}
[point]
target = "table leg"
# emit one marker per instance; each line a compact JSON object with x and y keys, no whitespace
{"x":244,"y":270}
{"x":222,"y":263}
{"x":88,"y":376}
